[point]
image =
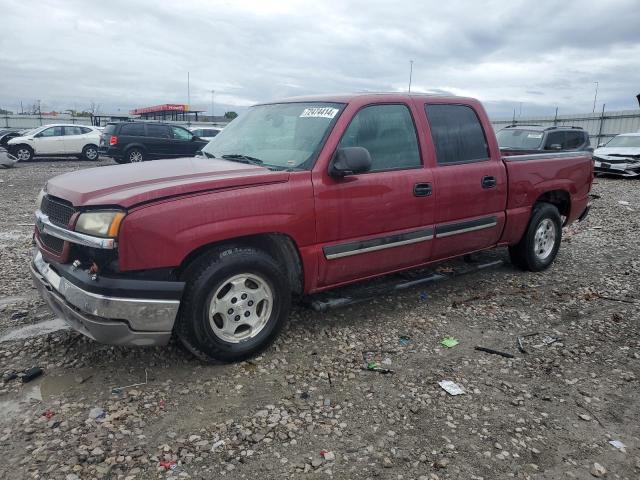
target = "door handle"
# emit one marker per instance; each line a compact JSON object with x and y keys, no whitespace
{"x":422,"y":189}
{"x":488,"y":181}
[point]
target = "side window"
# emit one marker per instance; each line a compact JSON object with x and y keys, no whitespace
{"x":181,"y":133}
{"x":84,"y":130}
{"x":387,"y":131}
{"x":457,"y":134}
{"x":554,"y":138}
{"x":158,"y":131}
{"x":573,"y":139}
{"x":133,"y":129}
{"x":198,"y":132}
{"x":52,"y":132}
{"x":72,"y":131}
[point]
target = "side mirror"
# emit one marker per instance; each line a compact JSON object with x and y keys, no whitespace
{"x":349,"y":161}
{"x":601,"y":144}
{"x":555,"y":146}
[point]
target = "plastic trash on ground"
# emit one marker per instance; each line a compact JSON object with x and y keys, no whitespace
{"x":451,"y":388}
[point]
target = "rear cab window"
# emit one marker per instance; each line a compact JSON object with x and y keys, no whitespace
{"x":457,"y":134}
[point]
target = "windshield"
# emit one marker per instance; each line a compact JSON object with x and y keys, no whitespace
{"x":520,"y":139}
{"x":624,"y":141}
{"x":284,"y":135}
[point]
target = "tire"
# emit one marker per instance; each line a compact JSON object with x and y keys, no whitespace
{"x":245,"y":319}
{"x":90,"y":152}
{"x":134,"y":155}
{"x":23,"y":153}
{"x":120,"y":160}
{"x":541,"y":241}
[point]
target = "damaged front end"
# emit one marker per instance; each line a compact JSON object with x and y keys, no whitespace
{"x":620,"y":165}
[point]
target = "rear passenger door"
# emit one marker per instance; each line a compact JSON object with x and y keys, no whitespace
{"x":159,"y":141}
{"x":470,"y":187}
{"x":381,"y":220}
{"x":73,"y":140}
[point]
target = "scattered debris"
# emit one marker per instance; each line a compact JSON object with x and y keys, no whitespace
{"x":619,"y":445}
{"x":546,"y":341}
{"x":424,"y":296}
{"x":449,"y":342}
{"x":598,"y":470}
{"x":374,"y":367}
{"x":31,"y":374}
{"x":118,"y":390}
{"x":48,"y":414}
{"x":327,"y":455}
{"x":7,"y":377}
{"x":97,"y":414}
{"x":404,"y":340}
{"x":451,"y":388}
{"x":520,"y":346}
{"x":494,"y":352}
{"x":168,"y":464}
{"x":623,"y":202}
{"x":219,"y":443}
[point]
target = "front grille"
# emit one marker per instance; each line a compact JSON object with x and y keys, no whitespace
{"x":53,"y":244}
{"x":59,"y":211}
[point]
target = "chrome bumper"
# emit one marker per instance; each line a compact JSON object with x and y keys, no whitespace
{"x":112,"y":320}
{"x":45,"y":226}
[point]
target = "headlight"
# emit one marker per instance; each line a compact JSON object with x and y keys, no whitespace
{"x":102,"y":223}
{"x":39,"y":199}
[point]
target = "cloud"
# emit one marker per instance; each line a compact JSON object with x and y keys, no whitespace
{"x":125,"y":54}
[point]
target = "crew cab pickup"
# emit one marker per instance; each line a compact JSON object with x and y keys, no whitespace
{"x":292,"y":198}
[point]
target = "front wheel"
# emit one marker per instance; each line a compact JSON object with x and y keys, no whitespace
{"x":23,"y":153}
{"x":235,"y":305}
{"x":541,"y":242}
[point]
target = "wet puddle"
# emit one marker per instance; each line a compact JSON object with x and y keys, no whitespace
{"x":35,"y":330}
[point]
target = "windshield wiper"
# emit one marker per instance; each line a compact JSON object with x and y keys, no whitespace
{"x":238,"y":157}
{"x":208,"y":155}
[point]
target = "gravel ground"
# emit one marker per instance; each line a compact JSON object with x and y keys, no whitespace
{"x":308,"y":409}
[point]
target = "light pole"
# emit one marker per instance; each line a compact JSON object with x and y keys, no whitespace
{"x":212,"y":92}
{"x":410,"y":73}
{"x":595,"y":97}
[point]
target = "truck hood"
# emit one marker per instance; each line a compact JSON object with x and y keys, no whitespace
{"x":132,"y":184}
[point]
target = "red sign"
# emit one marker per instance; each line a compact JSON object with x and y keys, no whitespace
{"x":174,"y":107}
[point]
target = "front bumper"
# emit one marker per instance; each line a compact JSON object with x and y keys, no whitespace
{"x":623,"y":169}
{"x":106,"y":319}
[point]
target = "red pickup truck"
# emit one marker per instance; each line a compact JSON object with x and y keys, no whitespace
{"x":292,"y":198}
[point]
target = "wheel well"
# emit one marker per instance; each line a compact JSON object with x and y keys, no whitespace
{"x":279,"y":246}
{"x":90,"y":145}
{"x":559,"y":198}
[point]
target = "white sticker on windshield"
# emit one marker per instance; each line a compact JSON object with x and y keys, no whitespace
{"x":534,"y":135}
{"x":319,"y":112}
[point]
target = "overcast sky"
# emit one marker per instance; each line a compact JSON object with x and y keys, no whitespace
{"x":123,"y":54}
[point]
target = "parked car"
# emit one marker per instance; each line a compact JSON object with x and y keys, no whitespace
{"x":293,"y":198}
{"x":7,"y":134}
{"x":6,"y":159}
{"x":206,"y":133}
{"x":132,"y":142}
{"x":620,"y":156}
{"x":56,"y":140}
{"x":526,"y":139}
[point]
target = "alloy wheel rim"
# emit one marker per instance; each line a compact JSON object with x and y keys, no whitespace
{"x":91,"y":153}
{"x":135,"y":157}
{"x":23,"y":154}
{"x":240,"y":308}
{"x":544,"y":239}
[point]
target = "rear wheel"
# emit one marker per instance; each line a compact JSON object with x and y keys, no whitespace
{"x":90,"y":152}
{"x":134,"y":155}
{"x":235,"y":305}
{"x":541,"y":241}
{"x":23,"y":153}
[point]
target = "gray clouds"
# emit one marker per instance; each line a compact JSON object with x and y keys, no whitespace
{"x":124,"y":54}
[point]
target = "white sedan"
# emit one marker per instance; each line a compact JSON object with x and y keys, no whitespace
{"x":57,"y":140}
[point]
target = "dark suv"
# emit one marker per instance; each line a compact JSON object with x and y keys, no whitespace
{"x":524,"y":139}
{"x":128,"y":142}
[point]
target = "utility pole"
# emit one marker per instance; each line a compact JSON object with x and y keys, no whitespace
{"x":595,"y":97}
{"x":212,"y":114}
{"x":188,"y":101}
{"x":410,"y":73}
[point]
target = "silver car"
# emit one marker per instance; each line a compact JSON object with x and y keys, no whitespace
{"x":620,"y":156}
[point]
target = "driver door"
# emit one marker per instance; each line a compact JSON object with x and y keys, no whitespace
{"x":50,"y":141}
{"x":382,"y":220}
